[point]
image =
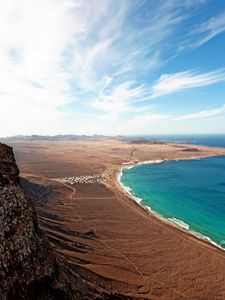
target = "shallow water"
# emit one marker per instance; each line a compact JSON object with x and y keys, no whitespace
{"x":190,"y":193}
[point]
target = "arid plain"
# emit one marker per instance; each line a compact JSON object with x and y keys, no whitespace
{"x":103,"y":235}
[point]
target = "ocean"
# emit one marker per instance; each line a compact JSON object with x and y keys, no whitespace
{"x":212,"y":140}
{"x":188,"y":193}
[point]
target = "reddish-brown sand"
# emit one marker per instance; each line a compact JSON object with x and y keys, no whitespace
{"x":103,"y":235}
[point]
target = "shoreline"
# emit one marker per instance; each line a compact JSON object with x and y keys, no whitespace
{"x":173,"y":222}
{"x":104,"y":235}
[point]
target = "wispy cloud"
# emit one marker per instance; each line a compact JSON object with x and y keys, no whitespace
{"x":52,"y":53}
{"x":172,"y":83}
{"x":96,"y":57}
{"x":125,"y":42}
{"x":201,"y":114}
{"x":151,"y":118}
{"x":33,"y":36}
{"x":151,"y":122}
{"x":204,"y":114}
{"x":208,"y":30}
{"x":120,"y":99}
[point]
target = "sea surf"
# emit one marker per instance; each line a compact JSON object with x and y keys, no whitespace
{"x":189,"y":194}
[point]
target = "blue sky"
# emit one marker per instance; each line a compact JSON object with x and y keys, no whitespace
{"x":112,"y":67}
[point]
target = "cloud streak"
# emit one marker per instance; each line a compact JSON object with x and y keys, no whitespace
{"x":120,"y":99}
{"x":53,"y":53}
{"x":209,"y":29}
{"x":176,"y":82}
{"x":202,"y":114}
{"x":62,"y":59}
{"x":151,"y":122}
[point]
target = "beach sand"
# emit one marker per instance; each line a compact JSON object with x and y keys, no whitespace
{"x":105,"y":236}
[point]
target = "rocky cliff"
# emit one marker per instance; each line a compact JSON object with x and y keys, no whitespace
{"x":28,"y":268}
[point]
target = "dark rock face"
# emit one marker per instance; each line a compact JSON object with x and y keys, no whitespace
{"x":28,"y":268}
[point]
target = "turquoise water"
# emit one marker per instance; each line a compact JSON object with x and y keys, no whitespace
{"x":191,"y":191}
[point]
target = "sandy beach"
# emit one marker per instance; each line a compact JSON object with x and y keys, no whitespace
{"x":170,"y":221}
{"x":106,"y":237}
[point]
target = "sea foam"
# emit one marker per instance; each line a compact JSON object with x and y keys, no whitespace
{"x":178,"y":222}
{"x":174,"y":221}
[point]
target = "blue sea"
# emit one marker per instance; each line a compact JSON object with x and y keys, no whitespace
{"x":212,"y":140}
{"x":188,"y":193}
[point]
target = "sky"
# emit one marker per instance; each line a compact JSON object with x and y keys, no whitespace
{"x":130,"y":67}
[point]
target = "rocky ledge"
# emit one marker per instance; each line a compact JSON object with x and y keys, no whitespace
{"x":28,"y":268}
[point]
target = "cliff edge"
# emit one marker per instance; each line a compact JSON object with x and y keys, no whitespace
{"x":28,"y":268}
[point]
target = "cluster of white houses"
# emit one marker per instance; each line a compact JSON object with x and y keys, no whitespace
{"x":82,"y":179}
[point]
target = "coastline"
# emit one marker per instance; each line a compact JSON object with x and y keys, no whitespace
{"x":173,"y":222}
{"x":105,"y":236}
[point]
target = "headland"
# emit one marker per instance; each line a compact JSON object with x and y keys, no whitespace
{"x":102,"y":234}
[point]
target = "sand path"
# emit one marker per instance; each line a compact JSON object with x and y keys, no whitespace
{"x":145,"y":278}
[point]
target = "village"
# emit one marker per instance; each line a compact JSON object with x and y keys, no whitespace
{"x":96,"y":178}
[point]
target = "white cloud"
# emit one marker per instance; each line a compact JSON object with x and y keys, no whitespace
{"x":94,"y":53}
{"x":149,"y":123}
{"x":151,"y":118}
{"x":116,"y":47}
{"x":120,"y":99}
{"x":33,"y":85}
{"x":172,"y":83}
{"x":164,"y":123}
{"x":209,"y":29}
{"x":37,"y":42}
{"x":201,"y":114}
{"x":50,"y":50}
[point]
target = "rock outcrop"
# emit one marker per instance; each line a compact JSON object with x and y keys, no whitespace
{"x":28,"y":268}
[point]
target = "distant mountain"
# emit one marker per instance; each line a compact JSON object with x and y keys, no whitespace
{"x":73,"y":137}
{"x":63,"y":137}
